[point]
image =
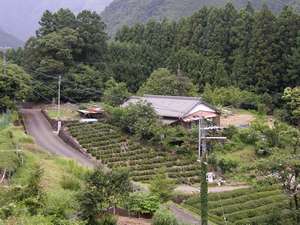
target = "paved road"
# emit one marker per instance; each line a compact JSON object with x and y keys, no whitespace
{"x":183,"y":216}
{"x":38,"y":127}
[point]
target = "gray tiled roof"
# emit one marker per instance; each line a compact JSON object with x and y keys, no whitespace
{"x":168,"y":106}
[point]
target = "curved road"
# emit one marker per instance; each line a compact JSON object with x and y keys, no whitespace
{"x":38,"y":127}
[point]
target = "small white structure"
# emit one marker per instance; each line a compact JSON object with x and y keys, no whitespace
{"x":210,"y":177}
{"x":88,"y":121}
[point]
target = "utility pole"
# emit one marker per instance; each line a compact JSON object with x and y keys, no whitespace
{"x":202,"y":159}
{"x":202,"y":151}
{"x":58,"y":105}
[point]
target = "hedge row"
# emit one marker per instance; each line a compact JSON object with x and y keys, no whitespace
{"x":285,"y":215}
{"x":247,"y":205}
{"x":240,"y":192}
{"x":106,"y":143}
{"x":250,"y":213}
{"x":244,"y":198}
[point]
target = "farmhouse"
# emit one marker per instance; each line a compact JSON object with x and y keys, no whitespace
{"x":177,"y":109}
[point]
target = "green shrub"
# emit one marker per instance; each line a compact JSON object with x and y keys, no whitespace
{"x":142,"y":203}
{"x":230,"y":131}
{"x":162,"y":186}
{"x":231,"y":96}
{"x":107,"y":220}
{"x":164,"y":217}
{"x":227,"y":165}
{"x":61,"y":203}
{"x":70,"y":183}
{"x":248,"y":136}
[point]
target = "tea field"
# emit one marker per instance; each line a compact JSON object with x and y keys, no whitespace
{"x":244,"y":206}
{"x":108,"y":144}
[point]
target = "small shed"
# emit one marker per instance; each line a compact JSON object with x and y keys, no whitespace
{"x":94,"y":112}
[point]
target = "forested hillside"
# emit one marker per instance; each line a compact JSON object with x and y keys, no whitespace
{"x":20,"y":18}
{"x":9,"y":40}
{"x":216,"y":53}
{"x":256,"y":51}
{"x":129,"y":12}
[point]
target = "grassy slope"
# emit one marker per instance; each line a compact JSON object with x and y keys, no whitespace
{"x":243,"y":154}
{"x":56,"y":173}
{"x":68,"y":112}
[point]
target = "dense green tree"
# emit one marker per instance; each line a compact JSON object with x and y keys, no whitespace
{"x":287,"y":167}
{"x":288,"y":23}
{"x":91,"y":30}
{"x":47,"y":24}
{"x":162,"y":186}
{"x":291,"y":97}
{"x":132,"y":63}
{"x":74,"y":47}
{"x":293,"y":70}
{"x":115,"y":93}
{"x":15,"y":86}
{"x":83,"y":83}
{"x":241,"y":69}
{"x":51,"y":22}
{"x":199,"y":68}
{"x":15,"y":56}
{"x":231,"y":96}
{"x":139,"y":119}
{"x":162,"y":82}
{"x":253,"y":50}
{"x":103,"y":190}
{"x":264,"y":52}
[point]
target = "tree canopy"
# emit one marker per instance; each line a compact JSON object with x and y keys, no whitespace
{"x":14,"y":86}
{"x":162,"y":82}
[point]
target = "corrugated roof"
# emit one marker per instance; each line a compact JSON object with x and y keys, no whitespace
{"x":168,"y":106}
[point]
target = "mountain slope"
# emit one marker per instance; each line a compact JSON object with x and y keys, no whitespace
{"x":20,"y":18}
{"x":8,"y":40}
{"x":129,"y":12}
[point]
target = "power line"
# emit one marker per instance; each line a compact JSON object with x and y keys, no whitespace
{"x":36,"y":92}
{"x":83,"y":87}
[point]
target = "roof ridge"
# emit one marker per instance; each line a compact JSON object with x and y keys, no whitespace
{"x":174,"y":97}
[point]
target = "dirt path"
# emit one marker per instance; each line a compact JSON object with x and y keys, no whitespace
{"x":38,"y":127}
{"x":133,"y":221}
{"x":238,"y":120}
{"x":183,"y":216}
{"x":193,"y":190}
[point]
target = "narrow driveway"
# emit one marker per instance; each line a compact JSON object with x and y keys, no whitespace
{"x":184,"y":216}
{"x":38,"y":127}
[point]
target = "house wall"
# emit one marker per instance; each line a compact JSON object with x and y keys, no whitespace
{"x":201,"y":107}
{"x":217,"y":120}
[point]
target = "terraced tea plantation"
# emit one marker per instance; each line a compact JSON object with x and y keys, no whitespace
{"x":244,"y":206}
{"x":107,"y":144}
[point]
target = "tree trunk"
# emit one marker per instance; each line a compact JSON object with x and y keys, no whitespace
{"x":296,"y":201}
{"x":3,"y":176}
{"x":114,"y":208}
